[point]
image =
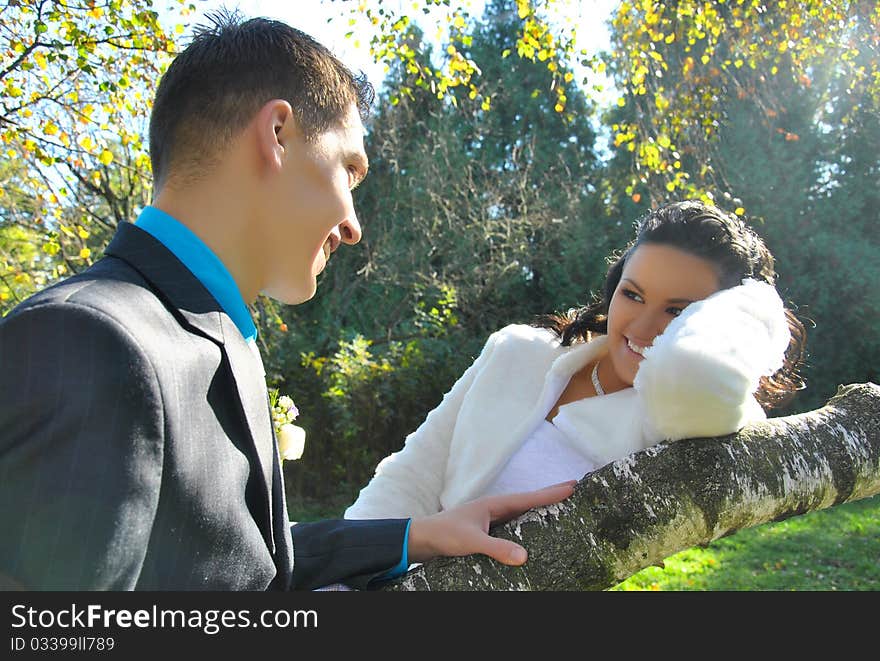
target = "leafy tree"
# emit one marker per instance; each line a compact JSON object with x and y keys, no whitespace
{"x":706,"y":45}
{"x":678,"y":66}
{"x":75,"y":88}
{"x":805,"y":168}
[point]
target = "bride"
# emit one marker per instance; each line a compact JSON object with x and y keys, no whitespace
{"x":689,"y":338}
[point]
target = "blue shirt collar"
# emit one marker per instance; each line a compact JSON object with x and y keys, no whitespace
{"x":202,"y":263}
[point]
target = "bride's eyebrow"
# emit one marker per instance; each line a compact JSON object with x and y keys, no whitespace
{"x":635,"y":285}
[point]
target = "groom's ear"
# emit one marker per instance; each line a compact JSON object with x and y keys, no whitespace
{"x":276,"y":131}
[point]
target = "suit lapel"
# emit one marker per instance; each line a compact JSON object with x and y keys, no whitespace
{"x":199,"y":311}
{"x":184,"y":296}
{"x":250,"y":381}
{"x":281,"y":525}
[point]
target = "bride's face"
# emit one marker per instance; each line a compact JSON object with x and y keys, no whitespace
{"x":657,"y":283}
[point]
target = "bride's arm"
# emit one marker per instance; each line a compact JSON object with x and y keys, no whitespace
{"x":699,"y":376}
{"x":409,"y":482}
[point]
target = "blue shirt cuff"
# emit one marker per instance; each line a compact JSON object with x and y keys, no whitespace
{"x":400,"y":568}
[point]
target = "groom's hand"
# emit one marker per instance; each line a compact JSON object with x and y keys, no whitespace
{"x":464,"y":530}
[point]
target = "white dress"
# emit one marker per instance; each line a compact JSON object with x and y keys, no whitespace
{"x":546,"y":457}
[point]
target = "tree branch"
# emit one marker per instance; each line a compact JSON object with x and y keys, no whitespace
{"x":650,"y":505}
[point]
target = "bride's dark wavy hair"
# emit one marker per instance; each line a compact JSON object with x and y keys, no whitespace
{"x":724,"y":240}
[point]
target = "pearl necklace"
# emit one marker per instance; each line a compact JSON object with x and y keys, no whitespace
{"x":595,"y":378}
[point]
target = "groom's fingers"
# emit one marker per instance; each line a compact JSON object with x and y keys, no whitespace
{"x":504,"y":551}
{"x":464,"y":529}
{"x":502,"y":508}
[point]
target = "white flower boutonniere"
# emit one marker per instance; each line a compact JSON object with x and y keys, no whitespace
{"x":291,"y":438}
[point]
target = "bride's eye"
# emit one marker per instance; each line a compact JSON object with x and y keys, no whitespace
{"x":630,"y":294}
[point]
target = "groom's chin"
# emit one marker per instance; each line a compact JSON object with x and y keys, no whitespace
{"x":292,"y":295}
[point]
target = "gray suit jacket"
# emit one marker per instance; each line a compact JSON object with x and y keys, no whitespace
{"x":136,"y":446}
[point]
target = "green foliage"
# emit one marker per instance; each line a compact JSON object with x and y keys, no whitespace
{"x":806,"y":177}
{"x":21,"y":270}
{"x":358,"y":404}
{"x":675,"y":64}
{"x":454,"y":73}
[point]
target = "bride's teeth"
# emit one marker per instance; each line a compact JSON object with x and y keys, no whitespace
{"x":639,"y":350}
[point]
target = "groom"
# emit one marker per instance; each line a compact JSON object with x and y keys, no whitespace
{"x":136,"y":447}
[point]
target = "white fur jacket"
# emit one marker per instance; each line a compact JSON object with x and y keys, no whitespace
{"x":696,"y":380}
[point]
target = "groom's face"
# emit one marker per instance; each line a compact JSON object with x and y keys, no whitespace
{"x":314,"y":208}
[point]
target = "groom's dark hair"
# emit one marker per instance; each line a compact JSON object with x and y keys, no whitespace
{"x":230,"y":69}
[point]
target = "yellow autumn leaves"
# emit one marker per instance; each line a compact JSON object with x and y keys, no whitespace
{"x":683,"y":58}
{"x":77,"y":79}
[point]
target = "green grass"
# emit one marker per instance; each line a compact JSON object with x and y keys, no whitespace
{"x":833,"y":549}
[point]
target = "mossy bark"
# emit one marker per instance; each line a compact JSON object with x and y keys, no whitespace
{"x":650,"y":505}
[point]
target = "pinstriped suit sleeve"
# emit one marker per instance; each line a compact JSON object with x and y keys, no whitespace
{"x":81,"y":444}
{"x":352,"y":552}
